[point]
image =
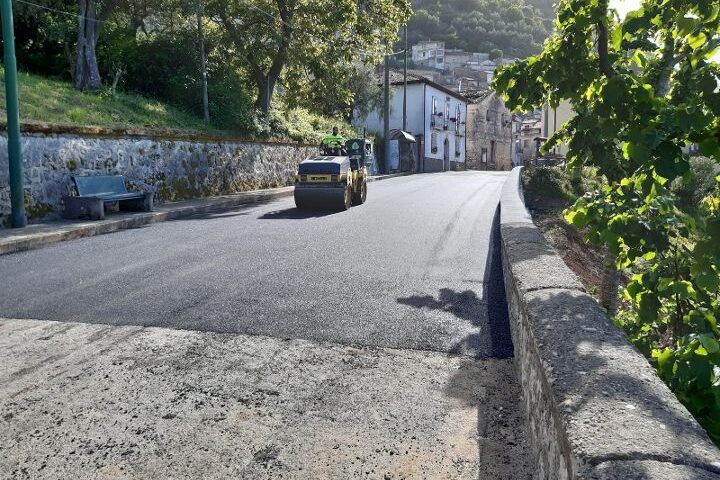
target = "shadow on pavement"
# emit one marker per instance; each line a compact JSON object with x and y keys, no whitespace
{"x":502,"y":432}
{"x":488,"y":311}
{"x":491,"y":386}
{"x":296,"y":214}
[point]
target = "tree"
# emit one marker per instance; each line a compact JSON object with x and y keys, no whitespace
{"x":304,"y":39}
{"x":643,"y":88}
{"x":513,"y":26}
{"x":92,"y":14}
{"x":496,"y":54}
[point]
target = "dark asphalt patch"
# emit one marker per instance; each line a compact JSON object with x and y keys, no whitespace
{"x":417,"y":267}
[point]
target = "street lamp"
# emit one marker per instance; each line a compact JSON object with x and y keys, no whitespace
{"x":17,"y":197}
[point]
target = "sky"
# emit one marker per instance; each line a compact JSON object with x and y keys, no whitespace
{"x":625,"y":6}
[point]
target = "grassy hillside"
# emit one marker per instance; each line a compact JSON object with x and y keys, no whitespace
{"x":53,"y":101}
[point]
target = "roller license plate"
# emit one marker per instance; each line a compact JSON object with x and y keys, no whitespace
{"x":319,"y":178}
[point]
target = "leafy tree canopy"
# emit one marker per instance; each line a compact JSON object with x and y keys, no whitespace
{"x":644,"y":88}
{"x":513,"y":26}
{"x":305,"y":40}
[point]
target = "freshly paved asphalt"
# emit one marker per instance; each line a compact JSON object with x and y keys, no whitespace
{"x":416,"y":267}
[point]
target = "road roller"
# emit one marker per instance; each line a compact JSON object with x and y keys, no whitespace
{"x":332,"y":182}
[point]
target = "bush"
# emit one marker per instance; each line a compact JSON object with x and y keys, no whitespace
{"x":166,"y":67}
{"x":697,"y":184}
{"x":547,"y":187}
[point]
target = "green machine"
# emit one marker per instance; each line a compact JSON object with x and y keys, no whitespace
{"x":363,"y":149}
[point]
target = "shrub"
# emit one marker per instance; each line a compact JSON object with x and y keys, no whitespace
{"x":697,"y":184}
{"x":547,"y":187}
{"x":77,"y":115}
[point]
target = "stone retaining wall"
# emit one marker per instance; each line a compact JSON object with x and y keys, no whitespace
{"x":595,"y":407}
{"x":172,"y":167}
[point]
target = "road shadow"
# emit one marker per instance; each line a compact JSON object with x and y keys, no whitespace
{"x":220,"y":214}
{"x":487,"y":311}
{"x":491,"y":385}
{"x":297,"y":214}
{"x":590,"y":356}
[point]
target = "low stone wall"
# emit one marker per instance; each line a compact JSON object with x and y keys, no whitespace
{"x":595,"y":407}
{"x":173,"y":167}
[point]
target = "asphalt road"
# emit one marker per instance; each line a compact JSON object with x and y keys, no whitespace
{"x":417,"y":267}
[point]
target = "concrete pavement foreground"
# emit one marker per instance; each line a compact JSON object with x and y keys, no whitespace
{"x":265,"y":342}
{"x":88,"y":401}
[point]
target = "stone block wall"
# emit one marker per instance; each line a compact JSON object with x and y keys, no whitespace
{"x":595,"y":407}
{"x":174,"y":168}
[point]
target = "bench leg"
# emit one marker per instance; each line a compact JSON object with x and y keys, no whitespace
{"x":79,"y":207}
{"x":139,"y":205}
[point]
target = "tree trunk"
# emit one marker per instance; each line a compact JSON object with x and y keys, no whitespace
{"x":203,"y":63}
{"x":266,"y":87}
{"x":86,"y":72}
{"x":266,"y":82}
{"x":610,"y":284}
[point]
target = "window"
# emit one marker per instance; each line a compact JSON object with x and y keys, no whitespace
{"x":434,"y":142}
{"x":434,"y":112}
{"x":484,"y":155}
{"x":446,"y":120}
{"x":458,"y":144}
{"x":457,"y":120}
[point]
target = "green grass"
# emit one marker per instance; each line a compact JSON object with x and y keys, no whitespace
{"x":48,"y":100}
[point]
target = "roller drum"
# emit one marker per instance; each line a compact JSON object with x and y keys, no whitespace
{"x":320,"y":198}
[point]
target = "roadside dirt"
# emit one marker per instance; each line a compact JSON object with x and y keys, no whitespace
{"x":582,"y":258}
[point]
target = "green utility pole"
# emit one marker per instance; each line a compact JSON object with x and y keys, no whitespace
{"x":17,"y":197}
{"x":386,"y":114}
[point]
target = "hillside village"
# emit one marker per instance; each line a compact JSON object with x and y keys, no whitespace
{"x":457,"y":119}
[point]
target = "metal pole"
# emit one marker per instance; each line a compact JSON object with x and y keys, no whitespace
{"x":17,"y":196}
{"x":386,"y":113}
{"x":404,"y":127}
{"x":203,"y":63}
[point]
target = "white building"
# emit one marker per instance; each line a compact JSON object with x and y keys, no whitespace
{"x":429,"y":54}
{"x":436,"y":117}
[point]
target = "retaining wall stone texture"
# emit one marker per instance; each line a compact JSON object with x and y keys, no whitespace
{"x":596,"y":409}
{"x":171,"y":168}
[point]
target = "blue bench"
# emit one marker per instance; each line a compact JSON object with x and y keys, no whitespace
{"x":95,"y":192}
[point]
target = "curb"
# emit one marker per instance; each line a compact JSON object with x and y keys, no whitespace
{"x":61,"y":232}
{"x":380,"y":178}
{"x":64,"y":232}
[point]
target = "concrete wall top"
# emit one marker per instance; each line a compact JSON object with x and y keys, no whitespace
{"x":159,"y":134}
{"x":596,"y":408}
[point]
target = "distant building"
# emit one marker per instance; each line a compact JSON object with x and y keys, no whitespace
{"x":529,"y":130}
{"x":489,"y":133}
{"x":457,"y":58}
{"x":553,"y":119}
{"x":429,"y":54}
{"x":436,"y":117}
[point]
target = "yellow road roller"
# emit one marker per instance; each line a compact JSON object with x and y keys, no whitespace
{"x":333,"y":182}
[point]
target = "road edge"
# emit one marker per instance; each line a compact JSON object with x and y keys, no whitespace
{"x":595,"y":407}
{"x":25,"y":239}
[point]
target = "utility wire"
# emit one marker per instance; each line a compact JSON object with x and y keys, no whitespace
{"x":248,"y":5}
{"x":63,"y":12}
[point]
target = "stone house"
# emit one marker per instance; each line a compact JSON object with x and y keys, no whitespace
{"x":529,"y":130}
{"x":490,"y":133}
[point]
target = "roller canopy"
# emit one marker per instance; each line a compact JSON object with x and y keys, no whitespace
{"x":325,"y":165}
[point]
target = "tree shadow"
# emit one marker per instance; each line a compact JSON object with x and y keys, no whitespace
{"x":489,"y":385}
{"x":487,"y":311}
{"x":601,"y":386}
